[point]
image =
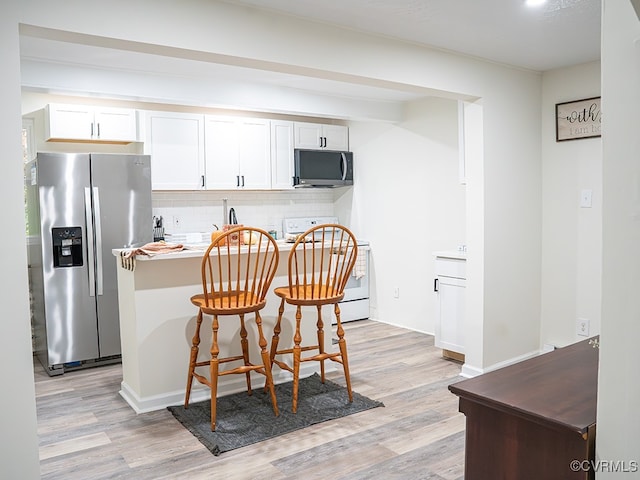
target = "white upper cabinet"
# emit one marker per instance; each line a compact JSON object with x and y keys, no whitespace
{"x":281,"y":154}
{"x":238,"y":153}
{"x":321,"y":137}
{"x":175,"y":142}
{"x":90,"y":123}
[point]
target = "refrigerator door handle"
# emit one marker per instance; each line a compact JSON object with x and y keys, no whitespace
{"x":89,"y":241}
{"x":98,"y":234}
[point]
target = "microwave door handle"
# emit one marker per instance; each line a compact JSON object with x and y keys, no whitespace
{"x":344,"y":166}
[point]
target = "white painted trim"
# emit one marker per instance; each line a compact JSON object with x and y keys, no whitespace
{"x":469,"y":371}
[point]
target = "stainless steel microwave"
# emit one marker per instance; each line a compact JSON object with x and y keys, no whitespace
{"x":322,"y":168}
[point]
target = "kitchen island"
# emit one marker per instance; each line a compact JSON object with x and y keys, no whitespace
{"x":157,"y":322}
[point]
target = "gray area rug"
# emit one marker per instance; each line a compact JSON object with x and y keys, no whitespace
{"x":243,"y":419}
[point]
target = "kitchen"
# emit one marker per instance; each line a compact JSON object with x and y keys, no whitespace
{"x":513,"y":175}
{"x":431,"y":126}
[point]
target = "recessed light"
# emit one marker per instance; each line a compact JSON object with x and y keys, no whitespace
{"x":535,"y":3}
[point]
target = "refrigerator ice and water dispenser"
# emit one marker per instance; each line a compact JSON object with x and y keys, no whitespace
{"x":67,"y":246}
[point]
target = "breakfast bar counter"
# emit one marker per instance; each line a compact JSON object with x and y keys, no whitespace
{"x":157,"y":322}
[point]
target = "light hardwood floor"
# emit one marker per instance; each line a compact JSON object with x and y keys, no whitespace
{"x":87,"y":431}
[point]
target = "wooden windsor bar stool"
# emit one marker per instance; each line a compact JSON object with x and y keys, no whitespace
{"x":318,"y":273}
{"x":237,"y":270}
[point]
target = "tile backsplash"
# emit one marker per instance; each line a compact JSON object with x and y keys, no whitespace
{"x":198,"y":211}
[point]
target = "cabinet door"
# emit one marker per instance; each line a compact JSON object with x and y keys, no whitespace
{"x":222,"y":153}
{"x":308,"y":135}
{"x":175,"y":142}
{"x":116,"y":124}
{"x":70,"y":122}
{"x":237,"y":153}
{"x":321,"y":136}
{"x":450,"y":312}
{"x":281,"y":154}
{"x":336,"y":137}
{"x":255,"y":154}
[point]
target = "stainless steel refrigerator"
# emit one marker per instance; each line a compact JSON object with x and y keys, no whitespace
{"x":79,"y":207}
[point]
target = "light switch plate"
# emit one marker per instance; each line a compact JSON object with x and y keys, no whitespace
{"x":585,"y":198}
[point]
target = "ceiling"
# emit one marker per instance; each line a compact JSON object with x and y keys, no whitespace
{"x":560,"y":33}
{"x":557,"y":34}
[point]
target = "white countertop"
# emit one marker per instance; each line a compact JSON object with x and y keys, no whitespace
{"x":451,"y":254}
{"x":197,"y":250}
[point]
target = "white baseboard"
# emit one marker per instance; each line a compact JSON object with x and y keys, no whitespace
{"x":469,"y":371}
{"x":232,"y":384}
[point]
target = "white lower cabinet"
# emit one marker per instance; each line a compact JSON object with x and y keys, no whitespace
{"x":175,"y":142}
{"x":449,"y":285}
{"x":237,"y":153}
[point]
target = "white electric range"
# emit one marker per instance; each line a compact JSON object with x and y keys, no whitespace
{"x":355,"y":305}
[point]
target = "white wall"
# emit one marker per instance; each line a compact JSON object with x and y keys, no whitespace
{"x":19,"y":452}
{"x":504,"y":240}
{"x":571,"y":236}
{"x":618,"y":386}
{"x":408,"y":203}
{"x":510,"y":174}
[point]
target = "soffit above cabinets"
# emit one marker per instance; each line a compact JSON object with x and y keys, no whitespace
{"x":69,"y":68}
{"x":498,"y":30}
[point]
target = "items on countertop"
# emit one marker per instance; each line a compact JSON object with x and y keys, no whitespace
{"x":234,"y":240}
{"x":158,"y":229}
{"x":127,"y":257}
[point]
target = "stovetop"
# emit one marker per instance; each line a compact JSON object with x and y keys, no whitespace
{"x":294,"y":226}
{"x":298,"y":225}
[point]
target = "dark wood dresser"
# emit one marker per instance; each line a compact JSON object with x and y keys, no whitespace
{"x":530,"y":420}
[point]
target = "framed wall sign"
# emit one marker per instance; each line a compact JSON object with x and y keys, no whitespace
{"x":578,"y":119}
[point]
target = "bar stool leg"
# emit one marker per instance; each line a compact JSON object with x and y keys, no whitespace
{"x":297,"y":338}
{"x":266,"y":361}
{"x":213,"y":371}
{"x":245,"y":351}
{"x":195,"y":342}
{"x":276,"y":332}
{"x":342,"y":344}
{"x":320,"y":327}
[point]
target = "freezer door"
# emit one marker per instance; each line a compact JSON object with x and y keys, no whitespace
{"x":121,"y":187}
{"x":69,"y":325}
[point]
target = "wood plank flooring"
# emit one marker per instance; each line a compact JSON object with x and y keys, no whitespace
{"x":87,"y":431}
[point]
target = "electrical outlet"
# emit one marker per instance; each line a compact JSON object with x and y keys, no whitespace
{"x":582,"y":327}
{"x":396,"y":292}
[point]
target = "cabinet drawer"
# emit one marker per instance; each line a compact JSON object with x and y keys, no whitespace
{"x":450,"y":267}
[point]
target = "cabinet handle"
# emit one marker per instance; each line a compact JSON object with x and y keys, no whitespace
{"x":242,"y":180}
{"x":202,"y":181}
{"x":98,"y":130}
{"x":237,"y":180}
{"x":92,"y":130}
{"x":435,"y":285}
